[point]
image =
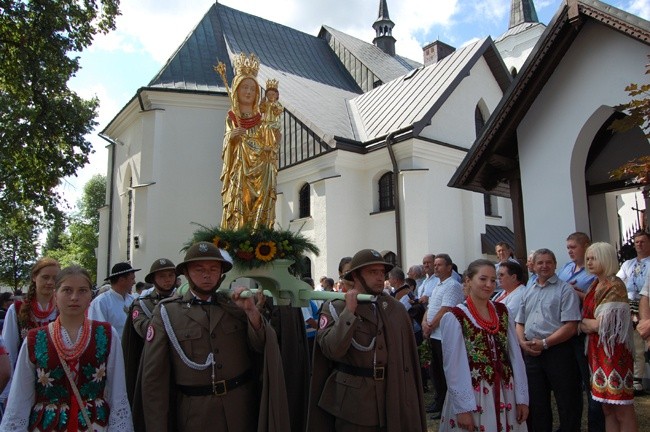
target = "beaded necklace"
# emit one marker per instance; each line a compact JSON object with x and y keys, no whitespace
{"x":77,"y":348}
{"x":41,"y":315}
{"x":491,"y":326}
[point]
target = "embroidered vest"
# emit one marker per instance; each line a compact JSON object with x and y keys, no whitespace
{"x":487,"y":354}
{"x":53,"y":393}
{"x":31,"y":324}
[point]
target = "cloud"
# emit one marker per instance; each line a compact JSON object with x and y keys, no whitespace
{"x":158,"y":27}
{"x":640,"y":8}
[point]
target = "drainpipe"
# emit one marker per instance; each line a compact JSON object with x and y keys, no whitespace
{"x":398,"y":209}
{"x":109,"y":183}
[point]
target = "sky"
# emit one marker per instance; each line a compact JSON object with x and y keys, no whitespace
{"x":149,"y":31}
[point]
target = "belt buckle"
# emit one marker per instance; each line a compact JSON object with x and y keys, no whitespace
{"x":219,"y":388}
{"x":378,"y":373}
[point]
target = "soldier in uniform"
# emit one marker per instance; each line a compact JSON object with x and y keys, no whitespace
{"x":215,"y":352}
{"x":366,"y":373}
{"x":163,"y":277}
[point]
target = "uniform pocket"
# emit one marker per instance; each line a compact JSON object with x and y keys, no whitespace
{"x":229,"y":327}
{"x":188,"y":334}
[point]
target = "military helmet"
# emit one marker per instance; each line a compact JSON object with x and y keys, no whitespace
{"x":159,"y":265}
{"x":203,"y":251}
{"x":366,"y":257}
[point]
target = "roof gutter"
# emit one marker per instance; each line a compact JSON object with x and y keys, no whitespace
{"x":109,"y":183}
{"x":390,"y":140}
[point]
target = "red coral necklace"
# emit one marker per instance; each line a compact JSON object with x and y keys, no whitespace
{"x":75,"y":351}
{"x":41,"y":315}
{"x":491,"y":326}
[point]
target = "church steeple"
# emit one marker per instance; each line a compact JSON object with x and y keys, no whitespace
{"x":522,"y":11}
{"x":384,"y":30}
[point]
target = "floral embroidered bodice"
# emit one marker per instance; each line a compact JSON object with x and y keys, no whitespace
{"x":487,"y":353}
{"x":53,"y":392}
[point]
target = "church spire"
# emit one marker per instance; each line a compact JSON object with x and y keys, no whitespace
{"x":522,"y":11}
{"x":384,"y":30}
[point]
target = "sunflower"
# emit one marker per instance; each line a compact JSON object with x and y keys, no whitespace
{"x":221,"y":243}
{"x":265,"y":251}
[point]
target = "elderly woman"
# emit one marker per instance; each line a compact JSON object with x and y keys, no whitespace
{"x":606,"y":321}
{"x":69,"y":374}
{"x":511,"y":277}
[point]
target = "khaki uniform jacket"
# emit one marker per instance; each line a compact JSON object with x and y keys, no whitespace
{"x":135,"y":329}
{"x":223,"y":330}
{"x":396,"y":402}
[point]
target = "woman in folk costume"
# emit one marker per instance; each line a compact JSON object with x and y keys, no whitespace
{"x":36,"y":310}
{"x":486,"y":376}
{"x":609,"y":345}
{"x":69,"y":374}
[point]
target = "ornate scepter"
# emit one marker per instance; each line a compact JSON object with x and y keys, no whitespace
{"x":220,"y":68}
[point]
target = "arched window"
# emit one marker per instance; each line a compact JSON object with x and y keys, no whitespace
{"x":389,"y":257}
{"x":304,"y":208}
{"x":305,"y":267}
{"x":386,"y":192}
{"x":479,"y":121}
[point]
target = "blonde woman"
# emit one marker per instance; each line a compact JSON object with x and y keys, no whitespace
{"x":606,"y":321}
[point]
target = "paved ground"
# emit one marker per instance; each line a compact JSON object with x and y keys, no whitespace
{"x":641,"y":403}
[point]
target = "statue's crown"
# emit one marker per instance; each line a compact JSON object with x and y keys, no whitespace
{"x":272,"y":84}
{"x":246,"y":65}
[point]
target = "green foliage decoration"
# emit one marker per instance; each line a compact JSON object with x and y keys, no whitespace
{"x":255,"y":248}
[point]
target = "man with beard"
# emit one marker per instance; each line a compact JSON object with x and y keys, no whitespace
{"x":210,"y":358}
{"x":163,"y":277}
{"x":366,"y":375}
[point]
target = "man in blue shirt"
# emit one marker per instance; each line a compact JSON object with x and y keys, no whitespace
{"x":575,"y":274}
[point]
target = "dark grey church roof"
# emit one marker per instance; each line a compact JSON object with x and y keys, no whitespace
{"x":224,"y":31}
{"x":314,"y":84}
{"x":385,"y":66}
{"x":414,"y":98}
{"x":522,"y":11}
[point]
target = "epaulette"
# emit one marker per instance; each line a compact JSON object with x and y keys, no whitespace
{"x":173,"y":298}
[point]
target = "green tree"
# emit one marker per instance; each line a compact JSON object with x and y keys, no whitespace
{"x":78,"y":242}
{"x":57,"y":228}
{"x":637,"y":110}
{"x":43,"y":123}
{"x":18,"y":240}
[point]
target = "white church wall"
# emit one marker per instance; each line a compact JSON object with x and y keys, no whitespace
{"x":515,"y":49}
{"x":454,"y":122}
{"x":593,"y":73}
{"x":178,"y":169}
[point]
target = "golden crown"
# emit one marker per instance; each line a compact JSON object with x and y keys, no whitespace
{"x":246,"y":65}
{"x":272,"y":84}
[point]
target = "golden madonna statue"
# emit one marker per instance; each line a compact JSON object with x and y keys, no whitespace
{"x":250,"y":148}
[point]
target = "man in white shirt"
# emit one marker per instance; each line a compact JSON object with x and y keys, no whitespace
{"x":430,"y":280}
{"x":634,"y":273}
{"x":113,"y":305}
{"x":446,"y":294}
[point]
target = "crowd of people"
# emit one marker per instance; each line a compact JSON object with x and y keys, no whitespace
{"x":500,"y":343}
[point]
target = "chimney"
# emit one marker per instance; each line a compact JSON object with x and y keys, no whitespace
{"x":436,"y":51}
